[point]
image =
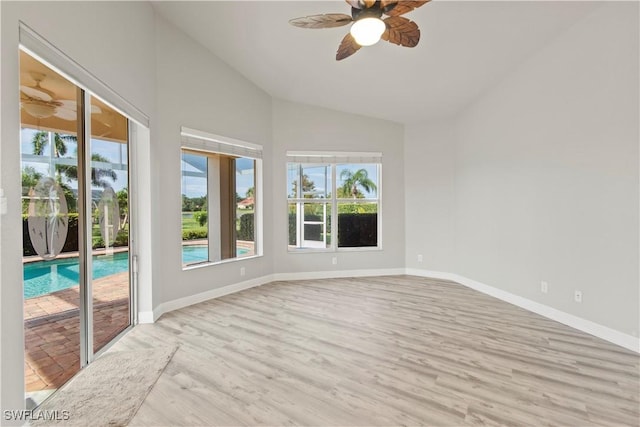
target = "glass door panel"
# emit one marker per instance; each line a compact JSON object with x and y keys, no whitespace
{"x":110,"y":288}
{"x":51,"y":285}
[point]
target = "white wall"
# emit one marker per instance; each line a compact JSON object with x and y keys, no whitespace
{"x":127,"y":67}
{"x":546,"y":176}
{"x":429,"y":175}
{"x":302,"y":127}
{"x":197,"y":90}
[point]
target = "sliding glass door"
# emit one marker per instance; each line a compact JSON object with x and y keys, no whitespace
{"x":109,"y":171}
{"x":75,"y":209}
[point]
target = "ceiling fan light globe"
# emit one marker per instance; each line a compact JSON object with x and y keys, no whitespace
{"x":367,"y":31}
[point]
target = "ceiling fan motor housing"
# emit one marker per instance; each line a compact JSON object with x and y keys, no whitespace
{"x":372,"y":12}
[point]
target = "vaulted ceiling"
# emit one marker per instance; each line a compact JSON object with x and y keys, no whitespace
{"x":466,"y":48}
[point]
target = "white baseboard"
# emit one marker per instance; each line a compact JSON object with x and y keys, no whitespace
{"x":150,"y":317}
{"x":334,"y":274}
{"x":616,"y":337}
{"x":145,"y":317}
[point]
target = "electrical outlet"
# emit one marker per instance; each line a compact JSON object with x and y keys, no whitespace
{"x":544,"y":287}
{"x":334,"y":260}
{"x":242,"y":271}
{"x":577,"y":296}
{"x":420,"y":258}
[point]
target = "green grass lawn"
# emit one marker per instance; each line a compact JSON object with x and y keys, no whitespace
{"x":192,"y":229}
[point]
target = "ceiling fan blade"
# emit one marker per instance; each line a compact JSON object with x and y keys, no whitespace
{"x":329,"y":20}
{"x":347,"y":47}
{"x":36,"y":93}
{"x":66,"y":113}
{"x":401,"y":31}
{"x":403,"y":7}
{"x":386,"y":5}
{"x":68,"y":104}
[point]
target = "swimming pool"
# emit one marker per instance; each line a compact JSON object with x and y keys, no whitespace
{"x":44,"y":277}
{"x":195,"y":254}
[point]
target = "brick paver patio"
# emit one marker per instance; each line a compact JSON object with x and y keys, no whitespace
{"x":52,"y":329}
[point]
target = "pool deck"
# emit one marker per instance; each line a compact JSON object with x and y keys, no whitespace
{"x":52,"y":329}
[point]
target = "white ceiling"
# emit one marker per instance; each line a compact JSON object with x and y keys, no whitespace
{"x":466,"y":47}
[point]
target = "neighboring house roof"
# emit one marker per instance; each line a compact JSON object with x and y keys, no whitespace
{"x":246,"y":202}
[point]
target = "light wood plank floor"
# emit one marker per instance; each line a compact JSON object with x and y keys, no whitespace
{"x":394,"y":350}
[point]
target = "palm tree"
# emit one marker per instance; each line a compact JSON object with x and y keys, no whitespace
{"x":39,"y":143}
{"x":30,"y":178}
{"x":98,"y":175}
{"x":352,"y":181}
{"x":307,"y":185}
{"x":41,"y":139}
{"x":123,"y":204}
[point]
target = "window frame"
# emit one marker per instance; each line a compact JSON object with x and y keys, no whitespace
{"x":194,"y":142}
{"x":333,"y":160}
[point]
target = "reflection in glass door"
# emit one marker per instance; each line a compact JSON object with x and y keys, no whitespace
{"x":75,"y":213}
{"x":49,"y":166}
{"x":110,"y":287}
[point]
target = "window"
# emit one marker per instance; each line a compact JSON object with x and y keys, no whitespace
{"x":324,"y":186}
{"x":220,"y":198}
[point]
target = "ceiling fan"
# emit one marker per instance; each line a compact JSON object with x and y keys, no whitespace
{"x":41,"y":103}
{"x":368,"y":24}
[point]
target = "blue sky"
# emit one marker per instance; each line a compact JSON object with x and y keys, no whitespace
{"x":193,"y":186}
{"x":115,"y":152}
{"x":316,"y":174}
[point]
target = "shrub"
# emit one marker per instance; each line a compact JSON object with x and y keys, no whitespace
{"x":122,"y":239}
{"x":195,"y":233}
{"x":246,"y":231}
{"x":200,"y":217}
{"x":354,"y":208}
{"x":357,"y":230}
{"x":292,"y":228}
{"x":70,"y":244}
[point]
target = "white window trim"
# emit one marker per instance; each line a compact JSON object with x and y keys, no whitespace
{"x":205,"y":142}
{"x":336,"y":158}
{"x":197,"y":140}
{"x":324,"y":157}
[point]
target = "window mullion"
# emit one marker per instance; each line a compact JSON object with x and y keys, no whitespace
{"x":334,"y":209}
{"x":299,"y":208}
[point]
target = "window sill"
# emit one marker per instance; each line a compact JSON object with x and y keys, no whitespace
{"x":334,"y":250}
{"x":224,"y":261}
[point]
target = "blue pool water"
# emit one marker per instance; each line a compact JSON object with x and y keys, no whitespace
{"x":195,"y":254}
{"x":44,"y":277}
